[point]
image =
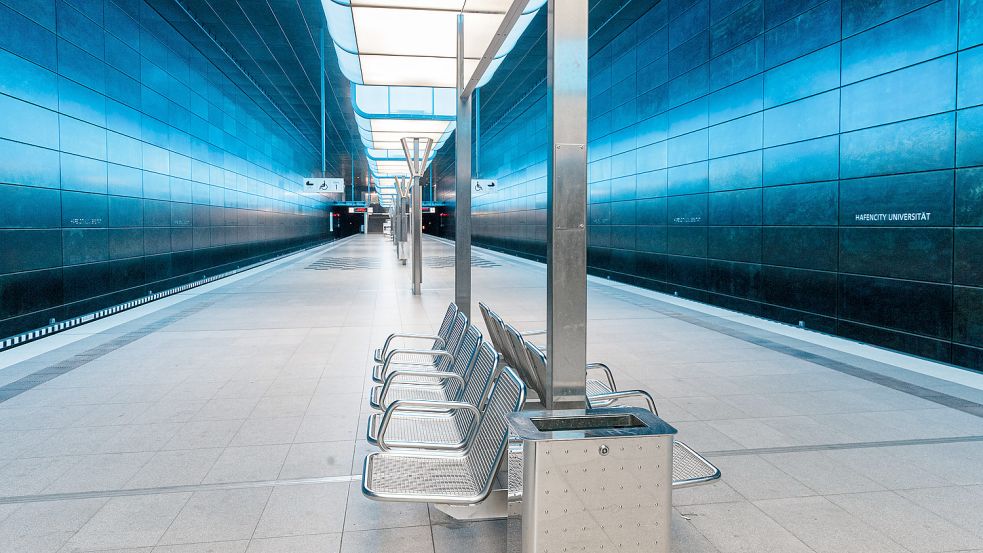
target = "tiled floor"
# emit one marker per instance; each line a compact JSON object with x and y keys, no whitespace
{"x":236,"y":424}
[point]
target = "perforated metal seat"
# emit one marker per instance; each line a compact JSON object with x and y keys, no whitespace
{"x":429,"y":342}
{"x":689,"y":468}
{"x":461,"y":478}
{"x":408,"y":360}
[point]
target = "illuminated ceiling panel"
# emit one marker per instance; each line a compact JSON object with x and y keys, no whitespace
{"x":401,"y":56}
{"x":370,"y":38}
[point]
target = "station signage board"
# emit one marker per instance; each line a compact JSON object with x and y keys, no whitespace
{"x":320,"y":185}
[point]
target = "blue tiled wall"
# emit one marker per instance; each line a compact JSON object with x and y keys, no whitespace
{"x":129,"y":164}
{"x":757,"y":154}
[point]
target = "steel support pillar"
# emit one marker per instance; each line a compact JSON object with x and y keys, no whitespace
{"x":417,"y":219}
{"x":462,"y":198}
{"x":566,"y":178}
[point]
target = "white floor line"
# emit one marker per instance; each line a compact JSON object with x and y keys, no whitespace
{"x":941,"y":371}
{"x":55,"y":341}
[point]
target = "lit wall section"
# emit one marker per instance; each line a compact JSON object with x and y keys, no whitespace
{"x":795,"y":159}
{"x":129,"y":164}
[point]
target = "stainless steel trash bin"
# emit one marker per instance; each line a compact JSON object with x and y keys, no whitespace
{"x":598,"y":480}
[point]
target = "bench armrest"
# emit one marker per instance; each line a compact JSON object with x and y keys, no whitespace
{"x":391,"y":380}
{"x":434,"y":355}
{"x":607,"y":373}
{"x":624,"y":394}
{"x":410,"y":336}
{"x":401,"y":404}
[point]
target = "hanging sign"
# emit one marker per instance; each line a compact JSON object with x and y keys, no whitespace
{"x":319,"y":185}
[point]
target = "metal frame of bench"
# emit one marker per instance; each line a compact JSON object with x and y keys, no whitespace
{"x":511,"y":342}
{"x":414,"y":424}
{"x":444,"y":384}
{"x":437,"y":341}
{"x":598,"y":395}
{"x":409,"y":360}
{"x":462,"y":477}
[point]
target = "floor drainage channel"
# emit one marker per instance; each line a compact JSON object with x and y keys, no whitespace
{"x":51,"y":372}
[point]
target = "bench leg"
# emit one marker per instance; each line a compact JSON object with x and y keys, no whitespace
{"x":492,"y":508}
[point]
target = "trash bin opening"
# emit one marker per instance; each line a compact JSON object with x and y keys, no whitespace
{"x":586,"y":422}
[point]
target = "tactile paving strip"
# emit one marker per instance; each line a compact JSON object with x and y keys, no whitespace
{"x":50,"y":372}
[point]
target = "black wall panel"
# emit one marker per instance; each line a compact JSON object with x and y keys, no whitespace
{"x":129,"y":163}
{"x":804,"y":160}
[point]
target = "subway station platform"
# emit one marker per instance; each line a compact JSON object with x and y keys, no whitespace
{"x":231,"y":419}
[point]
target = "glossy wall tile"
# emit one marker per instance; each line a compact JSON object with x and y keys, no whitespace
{"x":129,"y":163}
{"x":804,"y":160}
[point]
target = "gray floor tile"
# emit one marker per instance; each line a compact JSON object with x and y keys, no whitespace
{"x":686,"y":538}
{"x":204,"y":434}
{"x":320,"y":543}
{"x":827,"y":528}
{"x":181,"y":467}
{"x":248,"y":464}
{"x":304,"y":509}
{"x":415,"y":539}
{"x":883,"y":465}
{"x":46,"y":526}
{"x":212,"y":547}
{"x":279,"y":430}
{"x":743,"y":528}
{"x":912,"y":526}
{"x":30,"y":476}
{"x":755,"y":478}
{"x":109,"y":471}
{"x":312,"y":460}
{"x":222,"y":408}
{"x":475,"y":537}
{"x":136,"y":521}
{"x":820,"y":472}
{"x":962,"y":506}
{"x":220,"y":515}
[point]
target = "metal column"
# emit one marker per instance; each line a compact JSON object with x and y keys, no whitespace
{"x":324,"y":164}
{"x":566,"y":177}
{"x":462,"y":197}
{"x":417,"y":218}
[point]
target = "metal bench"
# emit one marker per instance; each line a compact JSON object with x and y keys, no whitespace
{"x":423,"y":359}
{"x":462,"y":477}
{"x":440,"y":384}
{"x":413,"y":424}
{"x":436,"y":342}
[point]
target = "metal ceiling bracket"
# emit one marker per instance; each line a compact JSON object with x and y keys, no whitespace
{"x":508,"y":23}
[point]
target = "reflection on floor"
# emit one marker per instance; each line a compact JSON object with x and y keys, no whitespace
{"x":233,"y":421}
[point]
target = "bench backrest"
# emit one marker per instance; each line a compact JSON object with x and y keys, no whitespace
{"x":448,"y":322}
{"x":484,"y":369}
{"x":464,"y":357}
{"x":508,"y":394}
{"x":523,"y":365}
{"x":496,"y":333}
{"x":538,"y":360}
{"x":454,"y":340}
